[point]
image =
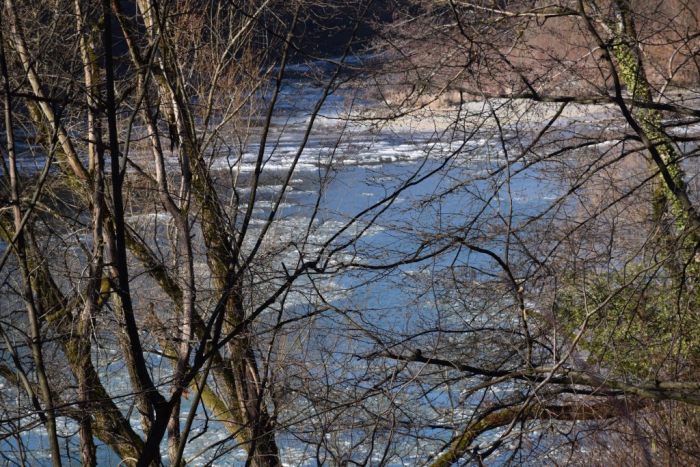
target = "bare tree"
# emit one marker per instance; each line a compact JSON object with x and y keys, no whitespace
{"x":475,"y":243}
{"x":572,"y":312}
{"x":167,"y":91}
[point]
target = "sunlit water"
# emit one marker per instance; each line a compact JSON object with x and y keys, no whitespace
{"x":358,"y":167}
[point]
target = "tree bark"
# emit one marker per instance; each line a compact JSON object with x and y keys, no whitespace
{"x":20,"y":251}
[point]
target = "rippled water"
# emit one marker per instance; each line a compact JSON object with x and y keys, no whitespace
{"x":359,"y":167}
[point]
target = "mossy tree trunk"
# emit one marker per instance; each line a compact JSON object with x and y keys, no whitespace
{"x":633,"y":75}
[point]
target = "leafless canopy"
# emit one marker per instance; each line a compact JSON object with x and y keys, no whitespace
{"x":366,"y":233}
